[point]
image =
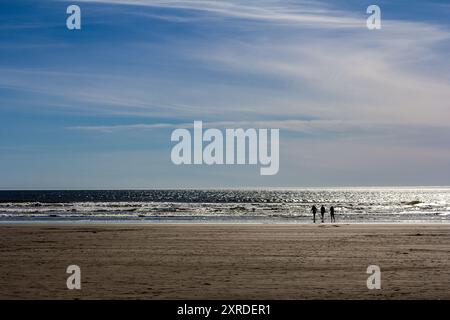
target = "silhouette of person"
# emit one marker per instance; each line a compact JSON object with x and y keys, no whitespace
{"x":314,"y":211}
{"x":322,"y":212}
{"x":332,"y":214}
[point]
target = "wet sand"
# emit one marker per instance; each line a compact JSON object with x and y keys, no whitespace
{"x":224,"y":261}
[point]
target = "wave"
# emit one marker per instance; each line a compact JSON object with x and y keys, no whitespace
{"x":351,"y":205}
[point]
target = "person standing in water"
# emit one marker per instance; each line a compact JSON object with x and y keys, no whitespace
{"x":332,"y":214}
{"x":322,"y":213}
{"x":314,"y":211}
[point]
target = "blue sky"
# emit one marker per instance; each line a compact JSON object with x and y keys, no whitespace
{"x":94,"y":108}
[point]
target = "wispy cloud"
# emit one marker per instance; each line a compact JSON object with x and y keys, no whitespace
{"x":305,"y":13}
{"x":292,"y":131}
{"x":397,"y":74}
{"x":338,"y":128}
{"x":303,"y":126}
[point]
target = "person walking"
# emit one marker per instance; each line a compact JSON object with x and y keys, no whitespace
{"x":322,"y":213}
{"x":314,"y":211}
{"x":332,"y":214}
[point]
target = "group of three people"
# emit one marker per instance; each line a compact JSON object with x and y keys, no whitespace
{"x":322,"y":213}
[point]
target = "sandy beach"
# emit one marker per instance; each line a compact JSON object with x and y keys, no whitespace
{"x":224,"y":261}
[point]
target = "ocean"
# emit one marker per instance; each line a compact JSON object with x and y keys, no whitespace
{"x":352,"y":205}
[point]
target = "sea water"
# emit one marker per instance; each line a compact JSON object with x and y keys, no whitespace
{"x":352,"y":205}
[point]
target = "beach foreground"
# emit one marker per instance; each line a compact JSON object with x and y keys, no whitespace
{"x":224,"y":261}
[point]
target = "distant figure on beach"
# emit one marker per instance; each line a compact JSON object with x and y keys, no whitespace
{"x":322,"y":212}
{"x":314,"y":211}
{"x":332,"y":214}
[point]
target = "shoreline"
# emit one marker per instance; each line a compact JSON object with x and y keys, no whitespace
{"x":225,"y":261}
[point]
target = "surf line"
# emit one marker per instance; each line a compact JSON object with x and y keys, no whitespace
{"x":233,"y":151}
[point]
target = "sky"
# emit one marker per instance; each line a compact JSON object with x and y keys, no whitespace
{"x":95,"y":108}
